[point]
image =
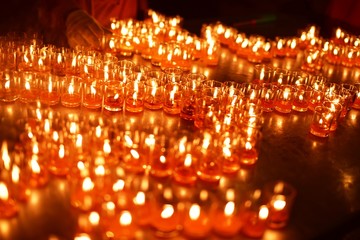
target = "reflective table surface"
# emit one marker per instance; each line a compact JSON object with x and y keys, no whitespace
{"x":325,"y":172}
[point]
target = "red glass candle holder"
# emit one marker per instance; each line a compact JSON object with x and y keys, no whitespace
{"x":114,"y":96}
{"x":284,"y":99}
{"x":71,"y":92}
{"x":321,"y":121}
{"x":9,"y":86}
{"x":92,"y":95}
{"x":134,"y":100}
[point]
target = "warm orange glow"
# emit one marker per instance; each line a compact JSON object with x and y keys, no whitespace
{"x":100,"y":170}
{"x":263,"y":212}
{"x":125,"y":218}
{"x":87,"y":185}
{"x":248,"y":146}
{"x":61,"y":151}
{"x":168,"y":211}
{"x":139,"y":198}
{"x":71,"y":89}
{"x":35,"y":167}
{"x":5,"y":156}
{"x":229,"y":208}
{"x":4,"y":193}
{"x":188,"y":160}
{"x":194,"y":212}
{"x":94,"y":218}
{"x":134,"y":154}
{"x":15,"y":174}
{"x":280,"y":203}
{"x":107,"y":146}
{"x":118,"y":185}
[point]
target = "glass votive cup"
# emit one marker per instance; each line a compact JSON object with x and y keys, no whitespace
{"x":190,"y":89}
{"x":267,"y":96}
{"x":336,"y":109}
{"x":301,"y":98}
{"x":352,"y":89}
{"x":158,"y":54}
{"x":212,"y":53}
{"x":251,"y":91}
{"x":207,"y":107}
{"x":172,"y":98}
{"x":9,"y":85}
{"x":356,"y":104}
{"x":114,"y":95}
{"x":134,"y":100}
{"x":284,"y":98}
{"x":50,"y":89}
{"x":280,"y":76}
{"x":249,"y":150}
{"x":173,"y":74}
{"x":29,"y":87}
{"x":262,"y":73}
{"x":92,"y":95}
{"x":316,"y":98}
{"x":154,"y":90}
{"x":280,"y":197}
{"x":321,"y":121}
{"x":58,"y":62}
{"x":71,"y":91}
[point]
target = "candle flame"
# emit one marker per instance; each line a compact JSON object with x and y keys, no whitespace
{"x":153,"y":88}
{"x":168,"y":211}
{"x":111,"y":44}
{"x":71,"y":89}
{"x":5,"y":155}
{"x":162,"y":159}
{"x":150,"y":140}
{"x":79,"y":140}
{"x":229,"y":208}
{"x":98,"y":131}
{"x":263,"y":212}
{"x":134,"y":154}
{"x":92,"y":90}
{"x":15,"y":174}
{"x":139,"y":198}
{"x":248,"y":146}
{"x":100,"y":170}
{"x":59,"y":58}
{"x":194,"y":212}
{"x":61,"y":151}
{"x":73,"y":62}
{"x":182,"y":142}
{"x":7,"y":84}
{"x":286,"y":94}
{"x":35,"y":167}
{"x":226,"y":152}
{"x":55,"y":136}
{"x":280,"y":203}
{"x":107,"y":146}
{"x":73,"y":127}
{"x":27,"y":86}
{"x":116,"y":97}
{"x":94,"y":218}
{"x":87,"y":185}
{"x":128,"y":141}
{"x":188,"y":160}
{"x":125,"y":218}
{"x":118,"y":185}
{"x":4,"y":194}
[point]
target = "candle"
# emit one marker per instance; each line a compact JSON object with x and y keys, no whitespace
{"x":29,"y":87}
{"x":321,"y":121}
{"x":227,"y":223}
{"x":82,"y":197}
{"x":92,"y":96}
{"x":153,"y":98}
{"x":71,"y":94}
{"x":184,"y":171}
{"x":9,"y":86}
{"x":87,"y":223}
{"x":114,"y":96}
{"x":301,"y":98}
{"x":59,"y":164}
{"x":49,"y":93}
{"x":18,"y":187}
{"x":122,"y":227}
{"x":143,"y":209}
{"x":255,"y":223}
{"x":248,"y":153}
{"x":38,"y":176}
{"x":231,"y":161}
{"x":134,"y":97}
{"x":197,"y":223}
{"x":166,"y":220}
{"x":284,"y":99}
{"x":8,"y":207}
{"x":172,"y":98}
{"x":267,"y":96}
{"x":336,"y":109}
{"x":280,"y":197}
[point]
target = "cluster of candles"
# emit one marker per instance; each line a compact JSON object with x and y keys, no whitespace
{"x":113,"y":202}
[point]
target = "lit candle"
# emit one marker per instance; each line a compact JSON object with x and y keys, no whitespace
{"x":71,"y":93}
{"x":321,"y":122}
{"x":283,"y":100}
{"x":248,"y":154}
{"x":166,"y":219}
{"x":134,"y":99}
{"x":143,"y":209}
{"x":255,"y":223}
{"x":197,"y":223}
{"x":49,"y":94}
{"x":92,"y":98}
{"x":184,"y":171}
{"x":114,"y":96}
{"x":8,"y":207}
{"x":39,"y":176}
{"x":227,"y":223}
{"x":82,"y":196}
{"x":122,"y":227}
{"x":231,"y":161}
{"x":9,"y":87}
{"x":153,"y":94}
{"x":59,"y":164}
{"x":28,"y":92}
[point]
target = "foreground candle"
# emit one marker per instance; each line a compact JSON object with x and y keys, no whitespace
{"x":8,"y":207}
{"x":197,"y":223}
{"x":228,"y":223}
